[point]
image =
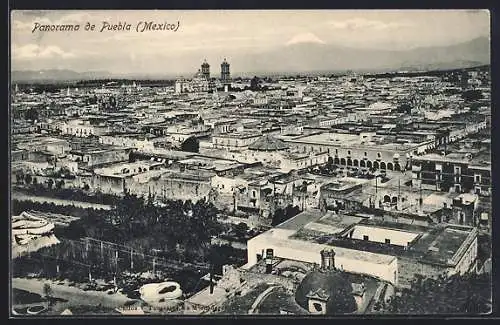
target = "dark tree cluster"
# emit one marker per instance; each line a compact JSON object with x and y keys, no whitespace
{"x":191,"y":145}
{"x":459,"y":294}
{"x":176,"y":225}
{"x":472,"y":95}
{"x":281,"y":215}
{"x":31,"y":114}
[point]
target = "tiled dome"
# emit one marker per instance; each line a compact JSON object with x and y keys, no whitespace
{"x":268,"y":143}
{"x":330,"y":285}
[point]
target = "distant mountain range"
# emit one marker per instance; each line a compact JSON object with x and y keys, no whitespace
{"x":310,"y":57}
{"x":324,"y":57}
{"x":56,"y":75}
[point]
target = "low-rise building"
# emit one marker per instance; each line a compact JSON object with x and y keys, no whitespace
{"x":391,"y":251}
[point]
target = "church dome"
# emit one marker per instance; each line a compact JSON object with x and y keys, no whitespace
{"x":268,"y":143}
{"x":329,"y":286}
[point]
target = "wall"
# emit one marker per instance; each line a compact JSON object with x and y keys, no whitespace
{"x":108,"y":185}
{"x":348,"y":262}
{"x":108,"y":156}
{"x":379,"y":235}
{"x":468,"y":258}
{"x":171,"y":188}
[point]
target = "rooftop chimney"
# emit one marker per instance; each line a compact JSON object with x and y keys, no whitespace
{"x":324,"y":259}
{"x":327,"y":260}
{"x":269,"y":260}
{"x":332,"y":260}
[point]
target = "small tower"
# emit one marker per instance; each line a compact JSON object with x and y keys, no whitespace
{"x":225,"y":75}
{"x":205,"y":70}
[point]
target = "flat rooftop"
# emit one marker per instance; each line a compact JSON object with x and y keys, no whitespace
{"x":97,"y":148}
{"x":439,"y":244}
{"x":351,"y":140}
{"x":216,"y":164}
{"x":282,"y":238}
{"x":343,"y":184}
{"x":239,"y":135}
{"x":127,"y":169}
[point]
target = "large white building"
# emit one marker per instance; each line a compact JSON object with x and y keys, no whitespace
{"x":393,"y":252}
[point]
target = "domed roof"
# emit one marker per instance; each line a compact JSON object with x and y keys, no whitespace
{"x":268,"y":143}
{"x":329,"y":285}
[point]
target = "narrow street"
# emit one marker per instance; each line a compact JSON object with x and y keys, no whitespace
{"x":74,"y":295}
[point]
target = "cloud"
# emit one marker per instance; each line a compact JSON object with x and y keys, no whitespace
{"x":202,"y":28}
{"x":33,"y":51}
{"x":362,"y":23}
{"x":305,"y":38}
{"x":19,"y":25}
{"x":72,"y":18}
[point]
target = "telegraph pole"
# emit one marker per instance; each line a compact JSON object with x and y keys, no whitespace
{"x":399,"y":194}
{"x":399,"y":188}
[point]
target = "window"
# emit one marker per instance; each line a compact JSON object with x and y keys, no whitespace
{"x":365,"y":237}
{"x":253,"y":193}
{"x":365,"y":154}
{"x":317,"y":307}
{"x":387,"y":241}
{"x":477,"y":178}
{"x":379,"y":155}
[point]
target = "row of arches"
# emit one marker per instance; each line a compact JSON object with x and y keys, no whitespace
{"x":389,"y":199}
{"x":367,"y":164}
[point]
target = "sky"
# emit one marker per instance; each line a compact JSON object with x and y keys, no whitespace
{"x":213,"y":35}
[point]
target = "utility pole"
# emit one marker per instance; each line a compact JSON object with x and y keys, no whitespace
{"x":420,"y":197}
{"x":399,"y":193}
{"x":116,"y":261}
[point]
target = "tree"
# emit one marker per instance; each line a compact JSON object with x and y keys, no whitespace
{"x":241,"y":229}
{"x":465,"y":294}
{"x":31,"y":114}
{"x":191,"y":144}
{"x":59,"y":184}
{"x":329,"y":163}
{"x":19,"y":177}
{"x":254,"y":83}
{"x":281,"y":215}
{"x":47,"y":290}
{"x":28,"y":179}
{"x":472,"y":95}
